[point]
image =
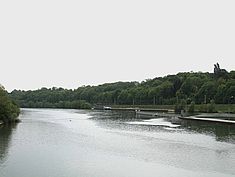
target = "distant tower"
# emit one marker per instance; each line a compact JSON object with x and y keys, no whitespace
{"x":216,"y":68}
{"x":218,"y":72}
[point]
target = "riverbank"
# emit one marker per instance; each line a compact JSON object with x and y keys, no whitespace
{"x":212,"y":119}
{"x":220,"y":108}
{"x":221,"y":116}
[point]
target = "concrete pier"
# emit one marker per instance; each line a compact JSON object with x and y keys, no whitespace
{"x":215,"y":120}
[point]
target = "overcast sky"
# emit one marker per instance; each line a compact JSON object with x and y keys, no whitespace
{"x":73,"y":43}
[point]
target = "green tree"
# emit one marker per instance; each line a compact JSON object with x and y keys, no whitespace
{"x":206,"y":92}
{"x":9,"y":110}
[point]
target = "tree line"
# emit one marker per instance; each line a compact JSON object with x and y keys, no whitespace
{"x":187,"y":87}
{"x":9,"y":110}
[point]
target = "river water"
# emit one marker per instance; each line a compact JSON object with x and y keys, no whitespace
{"x":78,"y":143}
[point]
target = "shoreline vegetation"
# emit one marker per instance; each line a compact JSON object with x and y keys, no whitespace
{"x":198,"y":108}
{"x":188,"y":91}
{"x":9,"y":110}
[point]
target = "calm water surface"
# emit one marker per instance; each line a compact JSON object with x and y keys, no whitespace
{"x":75,"y":143}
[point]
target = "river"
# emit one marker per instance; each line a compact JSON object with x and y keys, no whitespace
{"x":87,"y":143}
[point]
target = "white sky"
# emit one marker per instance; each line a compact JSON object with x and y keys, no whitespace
{"x":72,"y":43}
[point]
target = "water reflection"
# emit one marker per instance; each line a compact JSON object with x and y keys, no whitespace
{"x":5,"y":140}
{"x":222,"y":132}
{"x":129,"y":121}
{"x":119,"y":120}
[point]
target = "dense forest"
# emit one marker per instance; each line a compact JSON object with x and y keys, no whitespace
{"x":188,"y":87}
{"x":9,"y":110}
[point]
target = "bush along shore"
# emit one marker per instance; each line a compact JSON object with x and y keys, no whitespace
{"x":9,"y":110}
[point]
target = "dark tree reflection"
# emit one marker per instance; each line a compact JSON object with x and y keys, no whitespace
{"x":5,"y":140}
{"x":222,"y":132}
{"x":118,"y":119}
